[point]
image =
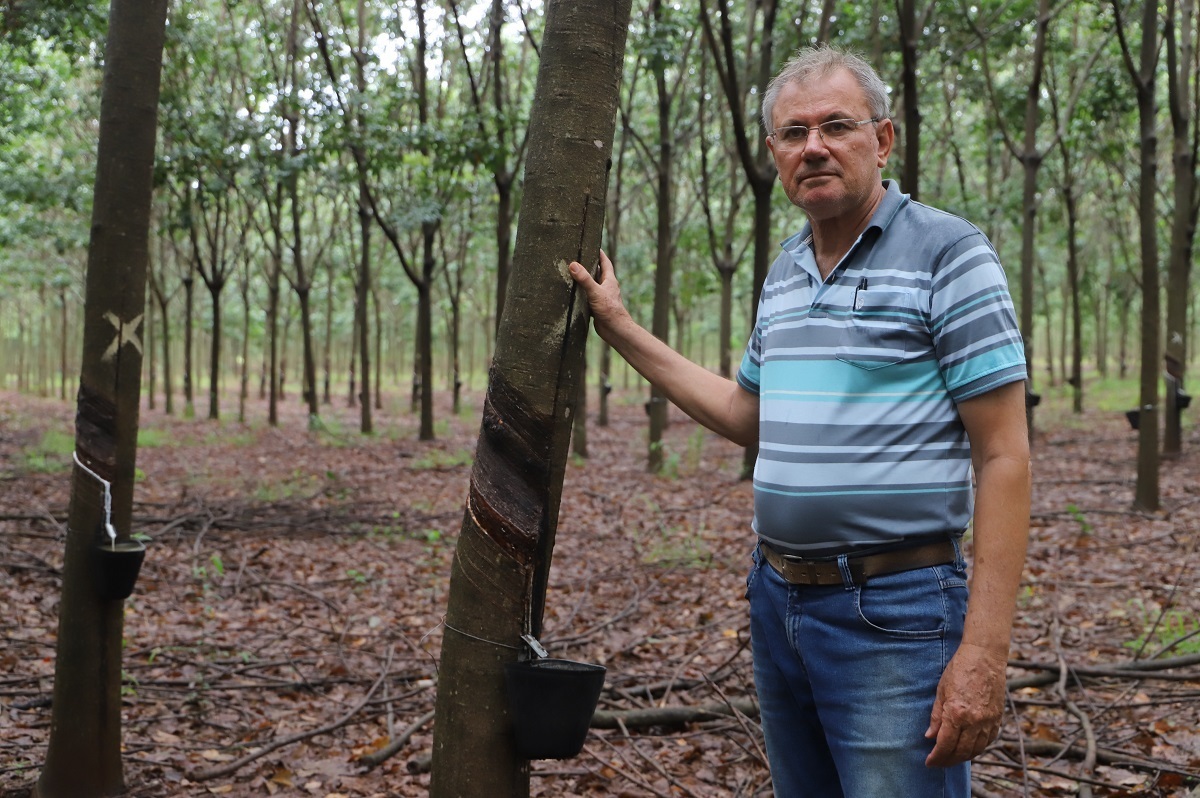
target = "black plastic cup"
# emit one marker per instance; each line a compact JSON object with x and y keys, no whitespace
{"x":117,"y":567}
{"x":551,"y":702}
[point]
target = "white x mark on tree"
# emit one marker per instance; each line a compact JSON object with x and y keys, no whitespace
{"x":126,"y":334}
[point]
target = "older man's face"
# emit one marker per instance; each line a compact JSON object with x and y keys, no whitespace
{"x":829,"y":178}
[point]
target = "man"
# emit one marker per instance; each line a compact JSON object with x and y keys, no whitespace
{"x":884,"y":369}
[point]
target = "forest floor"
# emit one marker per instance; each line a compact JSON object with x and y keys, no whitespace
{"x":296,"y":583}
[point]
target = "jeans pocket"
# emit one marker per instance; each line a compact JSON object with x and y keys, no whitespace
{"x":911,"y":605}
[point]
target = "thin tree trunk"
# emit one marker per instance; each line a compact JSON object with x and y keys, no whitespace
{"x":214,"y":352}
{"x":189,"y":298}
{"x":1146,"y":496}
{"x":362,"y":293}
{"x":661,"y":318}
{"x":909,"y":40}
{"x":1181,"y":62}
{"x":327,"y":345}
{"x":63,"y":338}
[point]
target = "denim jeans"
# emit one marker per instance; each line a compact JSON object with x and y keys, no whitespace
{"x":847,"y":676}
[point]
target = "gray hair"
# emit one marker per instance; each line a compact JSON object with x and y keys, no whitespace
{"x":823,"y":60}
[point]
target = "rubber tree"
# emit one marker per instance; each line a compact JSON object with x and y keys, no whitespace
{"x":501,"y":565}
{"x":740,"y":76}
{"x":84,"y":754}
{"x":1181,"y":51}
{"x":1143,"y":73}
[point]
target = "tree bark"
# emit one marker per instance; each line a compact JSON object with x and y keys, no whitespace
{"x":84,"y":754}
{"x":501,"y":566}
{"x":909,"y":39}
{"x":1181,"y":54}
{"x":660,"y":323}
{"x":758,"y":166}
{"x":1146,"y":495}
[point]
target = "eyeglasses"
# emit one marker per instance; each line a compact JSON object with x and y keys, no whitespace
{"x":794,"y":136}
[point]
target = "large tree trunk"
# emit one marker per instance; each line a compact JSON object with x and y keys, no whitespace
{"x":501,"y":566}
{"x":84,"y":754}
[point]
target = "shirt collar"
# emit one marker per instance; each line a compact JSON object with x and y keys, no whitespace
{"x":893,"y":200}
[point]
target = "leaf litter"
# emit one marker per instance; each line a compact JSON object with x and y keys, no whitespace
{"x":298,"y":579}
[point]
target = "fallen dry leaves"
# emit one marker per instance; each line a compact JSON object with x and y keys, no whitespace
{"x":291,"y":572}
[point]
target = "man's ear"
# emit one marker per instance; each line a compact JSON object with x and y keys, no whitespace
{"x":885,"y":138}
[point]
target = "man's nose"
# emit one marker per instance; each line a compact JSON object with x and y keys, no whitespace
{"x":815,"y":143}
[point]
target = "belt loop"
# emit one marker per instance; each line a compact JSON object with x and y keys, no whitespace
{"x":960,"y":562}
{"x":843,"y":564}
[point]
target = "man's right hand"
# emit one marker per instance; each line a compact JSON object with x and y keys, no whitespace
{"x":603,"y":295}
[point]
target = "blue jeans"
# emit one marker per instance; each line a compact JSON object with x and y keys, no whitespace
{"x":847,"y":676}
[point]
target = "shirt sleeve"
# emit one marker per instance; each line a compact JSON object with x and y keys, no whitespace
{"x":749,"y":372}
{"x":976,"y":336}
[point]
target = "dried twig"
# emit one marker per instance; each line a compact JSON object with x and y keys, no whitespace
{"x":377,"y":758}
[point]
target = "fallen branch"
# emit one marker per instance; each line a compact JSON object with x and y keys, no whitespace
{"x":238,"y":764}
{"x":672,"y":716}
{"x":374,"y":760}
{"x":1062,"y":774}
{"x":1133,"y":669}
{"x":1104,"y":756}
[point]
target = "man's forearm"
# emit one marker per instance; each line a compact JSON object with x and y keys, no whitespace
{"x":1001,"y":536}
{"x":717,"y":403}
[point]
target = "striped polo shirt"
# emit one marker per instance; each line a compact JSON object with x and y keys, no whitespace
{"x":858,"y":377}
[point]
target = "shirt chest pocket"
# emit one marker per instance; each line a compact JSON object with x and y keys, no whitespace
{"x":883,"y":328}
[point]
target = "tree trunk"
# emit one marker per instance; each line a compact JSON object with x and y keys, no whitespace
{"x":64,"y":328}
{"x":273,"y":345}
{"x":758,"y":167}
{"x":244,"y":377}
{"x":84,"y":754}
{"x":1076,"y":372}
{"x":579,"y":431}
{"x":909,"y":39}
{"x":148,"y":345}
{"x":1146,"y":496}
{"x":362,"y":293}
{"x":377,"y":372}
{"x":501,"y":567}
{"x":661,"y":318}
{"x":189,"y":334}
{"x":214,"y":352}
{"x":327,"y":344}
{"x":168,"y":390}
{"x":1181,"y":67}
{"x":425,"y":331}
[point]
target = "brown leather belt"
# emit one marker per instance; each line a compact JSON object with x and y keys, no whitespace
{"x":799,"y":571}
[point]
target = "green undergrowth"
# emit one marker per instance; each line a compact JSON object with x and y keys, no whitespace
{"x":50,"y":454}
{"x":1174,"y":633}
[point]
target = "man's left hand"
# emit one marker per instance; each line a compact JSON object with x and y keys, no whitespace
{"x":969,"y":706}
